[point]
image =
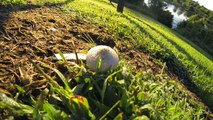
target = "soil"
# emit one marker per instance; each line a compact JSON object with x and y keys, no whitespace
{"x":39,"y":33}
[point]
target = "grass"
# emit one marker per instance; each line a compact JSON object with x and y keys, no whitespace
{"x":133,"y":94}
{"x":138,"y":96}
{"x":155,"y":39}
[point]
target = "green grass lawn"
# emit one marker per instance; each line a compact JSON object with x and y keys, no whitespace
{"x":141,"y":94}
{"x":154,"y":38}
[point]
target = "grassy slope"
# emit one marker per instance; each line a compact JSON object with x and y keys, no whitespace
{"x":160,"y":97}
{"x":154,"y":38}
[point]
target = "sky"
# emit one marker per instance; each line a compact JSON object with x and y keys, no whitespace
{"x":206,"y":3}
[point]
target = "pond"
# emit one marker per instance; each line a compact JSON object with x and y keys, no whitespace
{"x":178,"y":14}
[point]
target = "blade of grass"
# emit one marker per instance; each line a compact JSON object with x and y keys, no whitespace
{"x":50,"y":80}
{"x":7,"y":102}
{"x":105,"y":84}
{"x":88,"y":38}
{"x":162,"y":69}
{"x":99,"y":63}
{"x":67,"y":87}
{"x":110,"y":110}
{"x":39,"y":105}
{"x":62,"y":57}
{"x":52,"y":112}
{"x":96,"y":85}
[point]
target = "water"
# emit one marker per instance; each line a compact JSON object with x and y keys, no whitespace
{"x":178,"y":15}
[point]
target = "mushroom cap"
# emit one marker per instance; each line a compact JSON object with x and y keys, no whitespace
{"x":102,"y":58}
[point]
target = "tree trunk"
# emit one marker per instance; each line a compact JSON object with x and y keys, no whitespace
{"x":120,"y":6}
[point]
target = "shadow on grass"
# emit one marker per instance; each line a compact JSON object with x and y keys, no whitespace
{"x":176,"y":66}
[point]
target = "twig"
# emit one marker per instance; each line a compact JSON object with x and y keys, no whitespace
{"x":163,"y":68}
{"x":75,"y":52}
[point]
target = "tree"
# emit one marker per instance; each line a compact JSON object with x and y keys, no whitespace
{"x":166,"y":18}
{"x":120,"y":6}
{"x":156,"y":5}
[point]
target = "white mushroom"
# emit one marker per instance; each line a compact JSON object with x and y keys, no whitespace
{"x":102,"y":58}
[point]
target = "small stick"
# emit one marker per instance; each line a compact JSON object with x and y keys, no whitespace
{"x":75,"y":52}
{"x":163,"y":68}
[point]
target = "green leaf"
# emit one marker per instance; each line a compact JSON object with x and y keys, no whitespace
{"x":7,"y":102}
{"x":80,"y":107}
{"x":143,"y":117}
{"x":154,"y":113}
{"x":105,"y":84}
{"x":77,"y":89}
{"x":62,"y":57}
{"x":99,"y":63}
{"x":80,"y":100}
{"x":119,"y":117}
{"x":53,"y":113}
{"x":61,"y":91}
{"x":20,"y":89}
{"x":39,"y":105}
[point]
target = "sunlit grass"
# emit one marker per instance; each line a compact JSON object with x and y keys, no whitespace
{"x":153,"y":38}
